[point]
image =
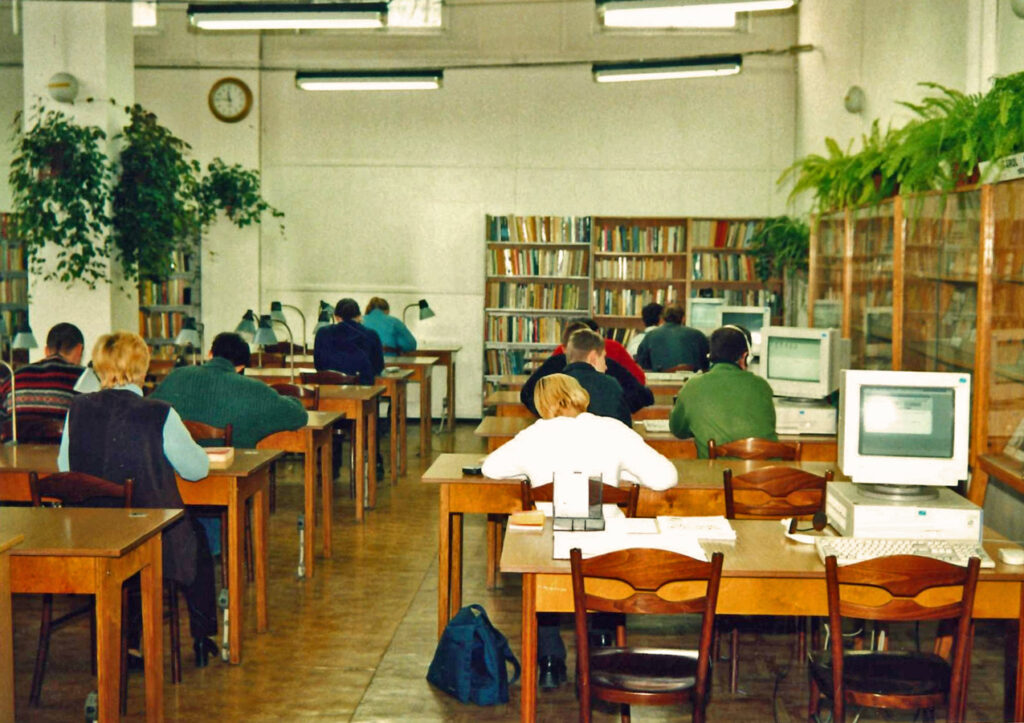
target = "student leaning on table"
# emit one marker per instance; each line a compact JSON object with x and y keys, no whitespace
{"x":727,"y":402}
{"x":569,"y":437}
{"x":117,"y":435}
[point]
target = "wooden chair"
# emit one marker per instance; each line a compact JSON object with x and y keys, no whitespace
{"x":640,"y":675}
{"x":754,"y":448}
{"x":283,"y":347}
{"x":36,"y":428}
{"x":265,"y":360}
{"x":626,"y":498}
{"x":327,"y":377}
{"x":771,"y":493}
{"x":906,"y":680}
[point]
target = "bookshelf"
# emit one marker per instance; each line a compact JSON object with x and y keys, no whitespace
{"x":164,"y":305}
{"x":826,"y":284}
{"x":537,"y":277}
{"x":871,"y":283}
{"x":720,"y":266}
{"x":13,"y":281}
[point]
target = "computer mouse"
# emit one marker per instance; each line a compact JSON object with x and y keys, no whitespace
{"x":1012,"y":555}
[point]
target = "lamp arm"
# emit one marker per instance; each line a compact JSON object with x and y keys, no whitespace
{"x":301,"y":316}
{"x":14,"y":406}
{"x":406,"y":309}
{"x":291,"y":344}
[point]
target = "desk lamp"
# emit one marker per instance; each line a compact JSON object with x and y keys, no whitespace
{"x":277,"y":314}
{"x":264,"y":335}
{"x":190,"y":336}
{"x":247,"y":326}
{"x":325,"y":317}
{"x":425,"y":311}
{"x":291,"y":339}
{"x":23,"y":340}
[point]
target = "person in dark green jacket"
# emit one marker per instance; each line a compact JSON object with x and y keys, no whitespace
{"x":727,"y":402}
{"x":216,"y":393}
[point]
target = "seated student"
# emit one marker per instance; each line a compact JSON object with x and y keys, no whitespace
{"x":395,"y":337}
{"x":46,"y":387}
{"x":347,"y":346}
{"x":116,"y":434}
{"x":636,"y":394}
{"x":217,"y":394}
{"x":728,"y":402}
{"x":586,"y":364}
{"x":651,"y":314}
{"x":672,"y":344}
{"x":569,"y":437}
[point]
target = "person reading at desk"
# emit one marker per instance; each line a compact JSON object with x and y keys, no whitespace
{"x":347,"y":346}
{"x":672,"y":344}
{"x":45,"y":388}
{"x":116,"y":434}
{"x":585,"y":354}
{"x":569,"y":437}
{"x":395,"y":337}
{"x":727,"y":402}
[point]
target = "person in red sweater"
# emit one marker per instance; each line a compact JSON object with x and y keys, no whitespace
{"x":612,"y":349}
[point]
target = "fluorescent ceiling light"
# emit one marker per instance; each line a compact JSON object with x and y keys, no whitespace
{"x":667,"y":69}
{"x":289,"y":16}
{"x":370,"y":80}
{"x":680,"y":13}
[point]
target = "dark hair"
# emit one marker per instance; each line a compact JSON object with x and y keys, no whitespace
{"x":581,"y":343}
{"x":576,"y":325}
{"x":651,"y":313}
{"x":673,"y":314}
{"x":64,"y":337}
{"x":231,"y":346}
{"x":377,"y":303}
{"x":728,"y":344}
{"x":346,"y":309}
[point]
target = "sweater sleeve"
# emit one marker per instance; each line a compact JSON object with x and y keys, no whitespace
{"x":406,"y":341}
{"x":650,"y":467}
{"x":275,"y":412}
{"x":618,"y":353}
{"x":643,"y":353}
{"x":637,"y":396}
{"x":188,"y":458}
{"x":677,"y":422}
{"x":507,"y":460}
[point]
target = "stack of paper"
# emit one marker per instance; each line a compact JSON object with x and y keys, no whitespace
{"x":620,"y":534}
{"x":703,"y":528}
{"x":657,"y":425}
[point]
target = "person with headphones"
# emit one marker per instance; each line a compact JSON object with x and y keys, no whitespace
{"x":727,"y":402}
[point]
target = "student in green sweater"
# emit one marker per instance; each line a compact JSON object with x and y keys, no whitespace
{"x":216,"y":393}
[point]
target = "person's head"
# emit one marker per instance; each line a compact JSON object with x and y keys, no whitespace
{"x":231,"y":346}
{"x":377,"y":303}
{"x":575,"y":325}
{"x":651,"y":313}
{"x":121,"y":357}
{"x":730,"y":343}
{"x":673,"y":314}
{"x":559,"y":395}
{"x":586,"y":346}
{"x":65,"y":340}
{"x":346,"y":310}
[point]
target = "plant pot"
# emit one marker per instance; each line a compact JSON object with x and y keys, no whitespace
{"x":960,"y":178}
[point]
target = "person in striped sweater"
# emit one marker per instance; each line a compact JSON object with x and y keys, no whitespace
{"x":45,"y":388}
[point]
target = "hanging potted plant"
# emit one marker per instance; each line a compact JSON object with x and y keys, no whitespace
{"x":60,"y":180}
{"x":234,"y":190}
{"x":780,"y":247}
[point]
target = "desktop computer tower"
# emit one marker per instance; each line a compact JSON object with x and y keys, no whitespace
{"x":947,"y":517}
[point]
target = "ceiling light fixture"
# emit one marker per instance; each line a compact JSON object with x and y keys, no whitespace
{"x":680,"y":13}
{"x":667,"y":69}
{"x":370,"y":80}
{"x":289,"y":16}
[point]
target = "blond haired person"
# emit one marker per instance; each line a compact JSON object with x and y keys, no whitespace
{"x":117,"y":435}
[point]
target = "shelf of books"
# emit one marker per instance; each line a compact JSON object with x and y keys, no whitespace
{"x":721,"y":267}
{"x":164,"y":305}
{"x":826,"y":285}
{"x":537,"y":277}
{"x":871,"y":268}
{"x":13,"y":281}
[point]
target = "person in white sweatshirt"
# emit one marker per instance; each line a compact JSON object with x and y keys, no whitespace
{"x":568,"y":437}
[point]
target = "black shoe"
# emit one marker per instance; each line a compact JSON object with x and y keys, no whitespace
{"x":204,"y":647}
{"x":551,"y":672}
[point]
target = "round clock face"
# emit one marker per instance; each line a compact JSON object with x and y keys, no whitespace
{"x":230,"y":100}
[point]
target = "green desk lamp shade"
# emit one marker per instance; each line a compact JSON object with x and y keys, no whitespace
{"x":425,"y":311}
{"x":189,"y":334}
{"x":24,"y":338}
{"x":247,"y":326}
{"x":265,"y":333}
{"x":276,"y":311}
{"x":323,"y":320}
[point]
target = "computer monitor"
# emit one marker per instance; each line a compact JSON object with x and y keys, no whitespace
{"x":704,"y":313}
{"x":902,"y":432}
{"x":827,"y":313}
{"x":752,"y":318}
{"x":803,"y":363}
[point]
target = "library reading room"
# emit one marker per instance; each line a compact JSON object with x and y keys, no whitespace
{"x":497,"y":360}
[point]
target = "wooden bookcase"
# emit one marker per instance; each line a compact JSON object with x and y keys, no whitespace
{"x":13,"y":283}
{"x":163,"y":306}
{"x":537,"y":276}
{"x":869,"y":326}
{"x":721,"y":267}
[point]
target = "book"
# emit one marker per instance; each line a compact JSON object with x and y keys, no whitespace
{"x":220,"y":457}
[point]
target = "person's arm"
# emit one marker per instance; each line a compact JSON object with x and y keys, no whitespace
{"x":643,"y":353}
{"x":636,"y":395}
{"x":188,"y":458}
{"x":552,"y":365}
{"x":507,"y":460}
{"x":651,"y":468}
{"x":376,"y":353}
{"x":677,"y":422}
{"x":63,"y":461}
{"x":404,"y":338}
{"x":274,"y":412}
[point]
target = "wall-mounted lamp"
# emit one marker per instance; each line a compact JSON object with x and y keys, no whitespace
{"x":853,"y":101}
{"x":288,"y":16}
{"x":705,"y":67}
{"x":370,"y":80}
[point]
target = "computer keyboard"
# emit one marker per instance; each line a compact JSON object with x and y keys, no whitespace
{"x":849,"y":550}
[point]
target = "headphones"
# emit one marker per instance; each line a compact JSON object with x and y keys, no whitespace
{"x":743,"y":333}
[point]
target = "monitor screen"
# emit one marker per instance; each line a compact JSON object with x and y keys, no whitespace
{"x":705,"y":313}
{"x":793,"y":359}
{"x":752,"y":318}
{"x":914,"y":422}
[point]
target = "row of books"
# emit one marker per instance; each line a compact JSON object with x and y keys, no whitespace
{"x":633,"y":268}
{"x":14,"y":291}
{"x":537,"y":262}
{"x":505,"y":361}
{"x":12,"y":256}
{"x":723,"y":267}
{"x":539,"y":229}
{"x":173,"y":292}
{"x":629,"y":302}
{"x":723,"y":234}
{"x":642,"y":239}
{"x":621,"y":334}
{"x":160,"y":325}
{"x":525,"y":329}
{"x":536,"y":295}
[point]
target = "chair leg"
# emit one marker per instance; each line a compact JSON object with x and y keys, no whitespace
{"x":41,"y":650}
{"x":734,"y":660}
{"x":814,"y":700}
{"x":175,"y":624}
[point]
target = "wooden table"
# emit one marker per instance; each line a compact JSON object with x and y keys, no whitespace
{"x":763,"y":574}
{"x":506,"y":403}
{"x":395,"y":385}
{"x":358,"y":403}
{"x":308,"y":440}
{"x":699,"y":492}
{"x":7,"y":541}
{"x":248,"y":477}
{"x":446,"y":354}
{"x":421,"y":366}
{"x":93,"y":552}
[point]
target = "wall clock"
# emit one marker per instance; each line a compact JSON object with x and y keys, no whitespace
{"x":230,"y":100}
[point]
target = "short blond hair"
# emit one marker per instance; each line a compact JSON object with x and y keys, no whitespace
{"x":559,"y":395}
{"x":120,"y":358}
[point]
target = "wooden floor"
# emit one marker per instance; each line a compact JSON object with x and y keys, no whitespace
{"x":354,"y":642}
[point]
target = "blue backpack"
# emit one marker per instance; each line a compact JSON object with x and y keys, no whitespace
{"x":470,"y":660}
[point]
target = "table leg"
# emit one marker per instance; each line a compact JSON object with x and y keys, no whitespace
{"x":359,"y":443}
{"x":371,"y":453}
{"x":425,"y":413}
{"x":327,"y":487}
{"x":451,"y":395}
{"x":260,"y":517}
{"x":456,"y":575}
{"x":528,"y":657}
{"x":403,"y":451}
{"x":152,"y":583}
{"x":236,"y":576}
{"x":393,"y":446}
{"x":309,"y":509}
{"x":108,"y":641}
{"x":444,"y":560}
{"x":493,"y":549}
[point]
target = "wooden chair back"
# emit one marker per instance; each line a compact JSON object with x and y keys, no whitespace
{"x":774,"y":493}
{"x":754,"y":448}
{"x":79,"y":488}
{"x":681,"y":368}
{"x":208,"y":434}
{"x":268,"y":360}
{"x":308,"y":396}
{"x":328,"y":377}
{"x":36,"y":428}
{"x":19,"y":487}
{"x":902,"y":578}
{"x":284,"y":347}
{"x":626,"y":498}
